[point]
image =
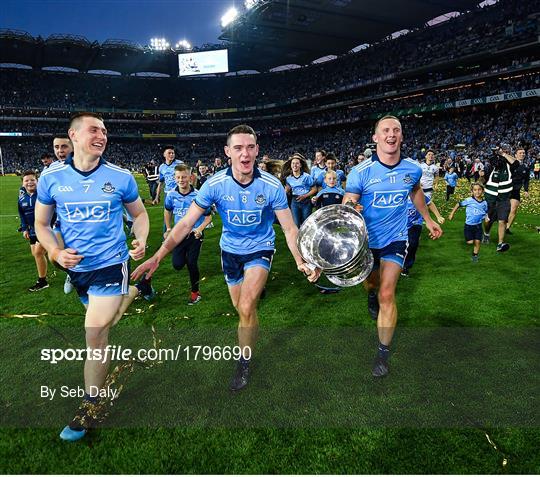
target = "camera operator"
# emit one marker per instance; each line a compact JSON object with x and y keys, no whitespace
{"x":498,"y":190}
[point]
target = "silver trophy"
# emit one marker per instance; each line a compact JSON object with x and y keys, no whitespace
{"x":335,"y":239}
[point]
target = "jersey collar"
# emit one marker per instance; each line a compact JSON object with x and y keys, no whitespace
{"x":69,"y":160}
{"x":374,"y":157}
{"x":177,"y":189}
{"x":256,"y":173}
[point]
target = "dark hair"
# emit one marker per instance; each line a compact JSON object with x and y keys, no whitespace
{"x":287,"y":169}
{"x":322,"y":151}
{"x":77,"y":116}
{"x":428,"y":151}
{"x":167,"y":146}
{"x":241,"y":129}
{"x":61,"y":136}
{"x":331,"y":156}
{"x":29,"y":172}
{"x":47,"y":155}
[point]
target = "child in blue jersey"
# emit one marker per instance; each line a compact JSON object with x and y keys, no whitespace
{"x":166,"y":172}
{"x":331,"y":194}
{"x":26,"y":206}
{"x":89,"y":195}
{"x":451,"y":179}
{"x":476,"y":209}
{"x":177,"y":202}
{"x":246,"y":199}
{"x":300,"y":185}
{"x":414,"y":224}
{"x":381,"y":186}
{"x":331,"y":163}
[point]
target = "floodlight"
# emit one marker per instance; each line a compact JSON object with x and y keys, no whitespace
{"x":230,"y":16}
{"x":249,"y":4}
{"x":159,"y":44}
{"x":183,"y":44}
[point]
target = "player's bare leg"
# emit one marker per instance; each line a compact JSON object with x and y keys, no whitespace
{"x":387,"y":319}
{"x":245,"y":297}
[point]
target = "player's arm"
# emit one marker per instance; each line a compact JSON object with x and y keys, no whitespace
{"x":178,"y":233}
{"x":141,"y":227}
{"x":454,"y":210}
{"x":24,"y":225}
{"x":433,"y":208}
{"x":290,"y":230}
{"x":167,"y":217}
{"x":158,"y":191}
{"x":419,"y":200}
{"x":198,"y":231}
{"x":67,"y":258}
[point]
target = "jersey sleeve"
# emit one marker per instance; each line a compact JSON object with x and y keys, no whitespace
{"x":354,"y":183}
{"x":279,"y":199}
{"x":24,"y":225}
{"x":131,"y":193}
{"x":161,"y":176}
{"x":43,"y":189}
{"x":168,"y":204}
{"x":206,"y":195}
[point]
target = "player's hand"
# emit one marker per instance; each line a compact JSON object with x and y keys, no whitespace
{"x":197,"y":233}
{"x":525,"y":194}
{"x":26,"y":235}
{"x":166,"y":233}
{"x":435,"y":230}
{"x":148,"y":267}
{"x":138,"y":250}
{"x":300,"y":198}
{"x":451,"y":217}
{"x":155,"y":201}
{"x":440,"y":220}
{"x":355,"y":205}
{"x":66,"y":258}
{"x":311,"y":273}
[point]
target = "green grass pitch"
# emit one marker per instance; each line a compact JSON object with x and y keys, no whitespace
{"x":445,"y":291}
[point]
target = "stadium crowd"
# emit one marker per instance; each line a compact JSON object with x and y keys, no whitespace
{"x":506,"y":24}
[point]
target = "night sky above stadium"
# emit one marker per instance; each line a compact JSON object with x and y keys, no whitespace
{"x":198,"y":21}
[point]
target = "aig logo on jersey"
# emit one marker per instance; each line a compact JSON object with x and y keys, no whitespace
{"x":244,"y":218}
{"x":92,"y":211}
{"x":385,"y":200}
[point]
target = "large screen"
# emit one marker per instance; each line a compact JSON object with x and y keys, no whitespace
{"x":203,"y":63}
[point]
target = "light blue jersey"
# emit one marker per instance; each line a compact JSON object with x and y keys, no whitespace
{"x":316,"y":172}
{"x":413,"y":216}
{"x":300,"y":185}
{"x":383,"y":193}
{"x":451,"y":179}
{"x":475,"y":210}
{"x":179,"y":203}
{"x":247,"y":211}
{"x":340,"y":178}
{"x":90,"y":207}
{"x":166,"y":174}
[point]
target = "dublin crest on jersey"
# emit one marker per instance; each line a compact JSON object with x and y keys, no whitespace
{"x":260,"y":199}
{"x":408,"y":179}
{"x":108,"y":187}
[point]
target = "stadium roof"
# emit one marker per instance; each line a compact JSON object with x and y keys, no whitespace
{"x":272,"y":33}
{"x":277,"y":32}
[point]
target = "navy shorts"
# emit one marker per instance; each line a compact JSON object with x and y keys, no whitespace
{"x":108,"y":281}
{"x":235,"y":265}
{"x":473,"y":232}
{"x":33,"y":239}
{"x":393,"y":252}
